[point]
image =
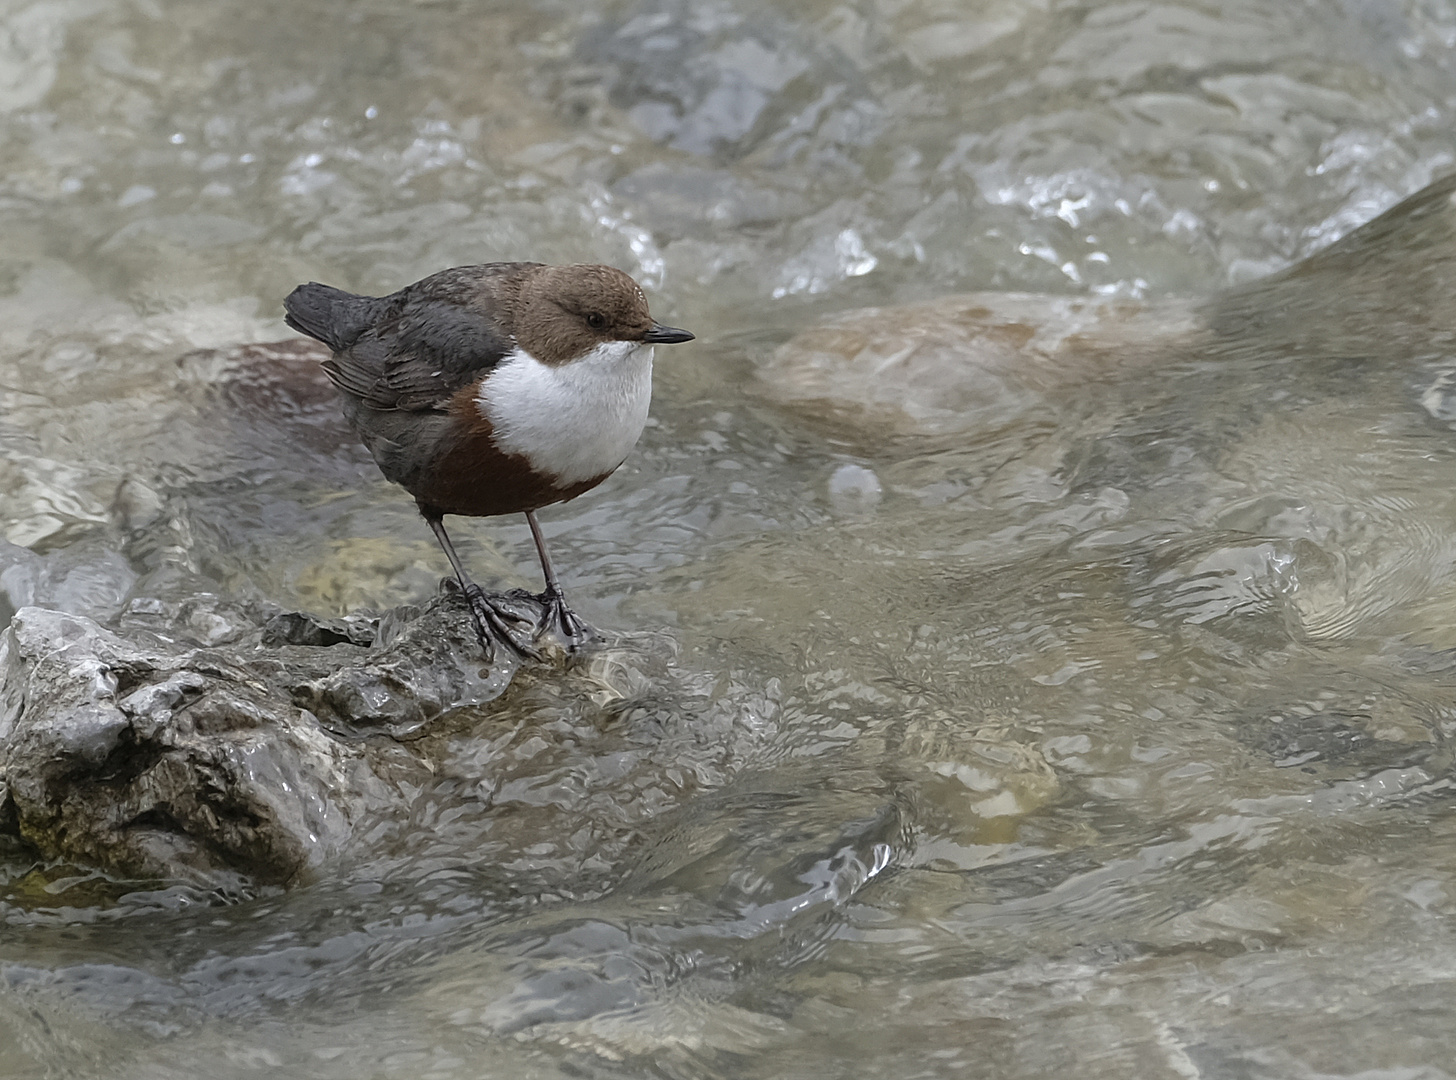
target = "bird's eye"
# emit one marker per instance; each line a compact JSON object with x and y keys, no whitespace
{"x":596,"y":320}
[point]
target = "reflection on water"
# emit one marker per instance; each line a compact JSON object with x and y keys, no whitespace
{"x":1105,"y":734}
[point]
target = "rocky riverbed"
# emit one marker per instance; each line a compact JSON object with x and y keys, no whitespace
{"x":1031,"y":596}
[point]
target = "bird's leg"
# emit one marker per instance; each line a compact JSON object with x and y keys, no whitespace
{"x":574,"y":631}
{"x":491,"y":624}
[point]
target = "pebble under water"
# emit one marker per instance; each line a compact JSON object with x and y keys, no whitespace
{"x":1091,"y":719}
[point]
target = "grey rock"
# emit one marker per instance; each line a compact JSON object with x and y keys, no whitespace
{"x":980,"y":361}
{"x":299,"y":628}
{"x":426,"y":663}
{"x":200,"y":742}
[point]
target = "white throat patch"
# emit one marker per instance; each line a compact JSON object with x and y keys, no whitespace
{"x":573,"y":421}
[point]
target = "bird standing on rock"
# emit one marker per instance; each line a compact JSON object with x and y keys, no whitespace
{"x":494,"y":389}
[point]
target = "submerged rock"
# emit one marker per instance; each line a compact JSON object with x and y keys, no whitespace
{"x":205,"y":743}
{"x":978,"y":361}
{"x":968,"y":362}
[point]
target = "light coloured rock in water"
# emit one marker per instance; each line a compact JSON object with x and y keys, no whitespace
{"x":979,"y":361}
{"x":974,"y":361}
{"x":205,"y":744}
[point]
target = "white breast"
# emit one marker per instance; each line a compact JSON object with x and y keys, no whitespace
{"x":572,"y":421}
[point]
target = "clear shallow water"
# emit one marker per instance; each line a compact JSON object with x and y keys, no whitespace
{"x":1111,"y":739}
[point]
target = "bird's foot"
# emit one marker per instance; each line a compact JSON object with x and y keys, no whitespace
{"x":559,"y":620}
{"x":497,"y":620}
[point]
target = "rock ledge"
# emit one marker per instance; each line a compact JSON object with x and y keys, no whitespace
{"x":205,"y":743}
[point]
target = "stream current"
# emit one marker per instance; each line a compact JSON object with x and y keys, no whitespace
{"x":1107,"y":739}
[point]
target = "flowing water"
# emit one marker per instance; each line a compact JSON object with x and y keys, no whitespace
{"x":1109,"y":739}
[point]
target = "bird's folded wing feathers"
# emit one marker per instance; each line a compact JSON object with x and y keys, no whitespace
{"x":419,"y":356}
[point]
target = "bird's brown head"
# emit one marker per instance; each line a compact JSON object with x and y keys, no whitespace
{"x":564,"y":312}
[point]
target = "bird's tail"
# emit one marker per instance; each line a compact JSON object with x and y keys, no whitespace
{"x":331,"y":315}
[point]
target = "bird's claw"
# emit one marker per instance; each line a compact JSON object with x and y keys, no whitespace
{"x":508,"y":619}
{"x":558,"y":619}
{"x":496,"y":621}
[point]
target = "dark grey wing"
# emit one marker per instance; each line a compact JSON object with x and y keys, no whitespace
{"x":435,"y":348}
{"x":421,"y":345}
{"x":418,"y":358}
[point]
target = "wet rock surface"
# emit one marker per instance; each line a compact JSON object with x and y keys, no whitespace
{"x":973,"y":362}
{"x":970,"y":362}
{"x":209,"y":743}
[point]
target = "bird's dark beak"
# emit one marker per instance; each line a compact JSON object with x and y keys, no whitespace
{"x":666,"y":335}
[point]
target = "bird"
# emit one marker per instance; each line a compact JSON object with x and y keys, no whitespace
{"x":493,"y":389}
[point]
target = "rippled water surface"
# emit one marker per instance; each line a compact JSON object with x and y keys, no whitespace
{"x":1102,"y":732}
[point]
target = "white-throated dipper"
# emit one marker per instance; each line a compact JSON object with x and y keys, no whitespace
{"x":493,"y":389}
